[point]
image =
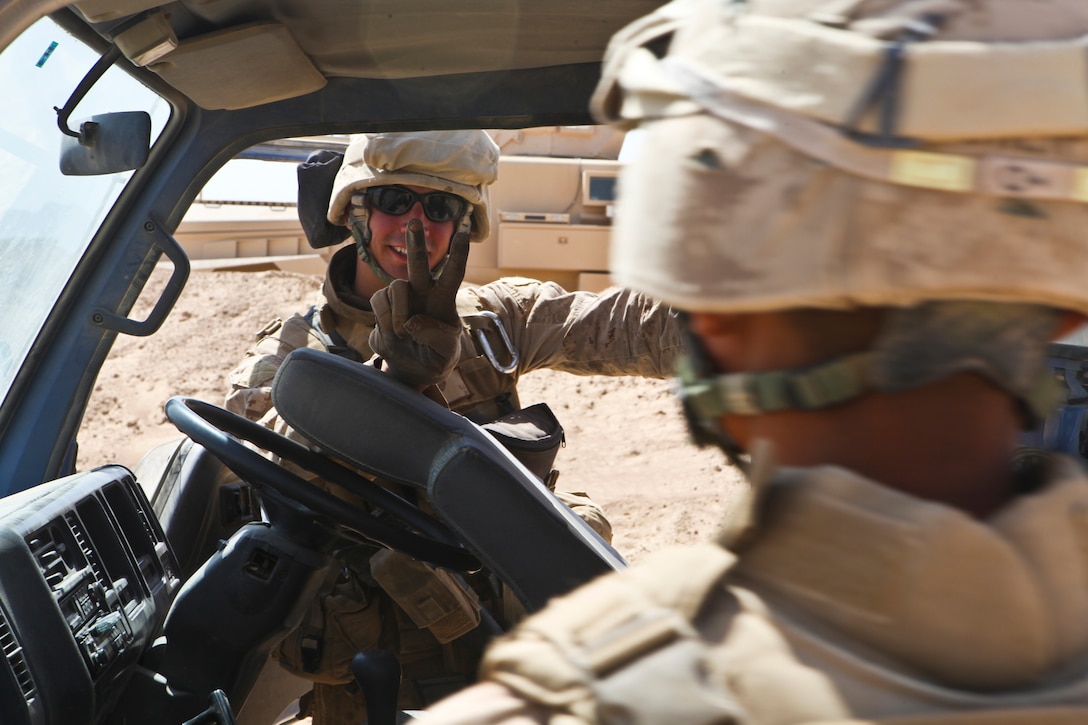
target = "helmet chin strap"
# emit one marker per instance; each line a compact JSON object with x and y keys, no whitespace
{"x":360,"y":232}
{"x":705,"y":430}
{"x":915,"y":346}
{"x":707,"y":395}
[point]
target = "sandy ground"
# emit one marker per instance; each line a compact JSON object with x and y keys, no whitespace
{"x":626,"y":441}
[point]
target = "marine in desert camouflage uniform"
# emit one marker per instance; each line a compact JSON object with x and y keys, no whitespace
{"x":447,"y":340}
{"x":873,"y":215}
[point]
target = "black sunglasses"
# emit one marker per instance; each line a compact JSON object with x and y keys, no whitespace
{"x":439,"y":206}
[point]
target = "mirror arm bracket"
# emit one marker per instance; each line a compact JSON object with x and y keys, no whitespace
{"x":93,"y":75}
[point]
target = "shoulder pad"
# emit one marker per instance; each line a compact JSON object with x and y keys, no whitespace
{"x":592,"y":652}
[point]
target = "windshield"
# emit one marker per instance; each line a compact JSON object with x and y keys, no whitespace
{"x":47,"y":220}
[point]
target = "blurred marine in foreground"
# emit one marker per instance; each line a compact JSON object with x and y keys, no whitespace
{"x":873,"y":216}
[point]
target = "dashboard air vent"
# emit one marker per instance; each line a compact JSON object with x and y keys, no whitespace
{"x":85,"y":546}
{"x":50,"y":560}
{"x":13,"y":653}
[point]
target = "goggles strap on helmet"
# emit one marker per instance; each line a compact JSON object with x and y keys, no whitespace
{"x":883,"y":94}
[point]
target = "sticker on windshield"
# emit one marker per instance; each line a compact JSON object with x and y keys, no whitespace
{"x":45,"y":56}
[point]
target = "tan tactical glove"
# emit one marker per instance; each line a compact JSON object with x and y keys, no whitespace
{"x":418,"y":331}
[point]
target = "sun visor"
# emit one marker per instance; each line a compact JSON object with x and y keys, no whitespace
{"x":99,"y":11}
{"x":240,"y":67}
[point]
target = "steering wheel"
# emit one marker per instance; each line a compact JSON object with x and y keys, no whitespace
{"x":404,"y":527}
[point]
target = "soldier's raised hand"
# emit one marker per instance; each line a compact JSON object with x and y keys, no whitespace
{"x":417,"y":329}
{"x":428,"y":296}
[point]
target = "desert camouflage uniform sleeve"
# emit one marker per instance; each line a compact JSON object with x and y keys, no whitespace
{"x":614,"y":332}
{"x":250,"y":392}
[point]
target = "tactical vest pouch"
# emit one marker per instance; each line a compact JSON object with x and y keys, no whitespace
{"x":340,"y":622}
{"x":605,"y":652}
{"x":434,"y":598}
{"x":534,"y":435}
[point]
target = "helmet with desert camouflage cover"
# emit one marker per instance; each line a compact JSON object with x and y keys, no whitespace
{"x":464,"y":163}
{"x":925,"y":156}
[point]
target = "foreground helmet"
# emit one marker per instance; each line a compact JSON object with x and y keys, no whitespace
{"x":927,"y":156}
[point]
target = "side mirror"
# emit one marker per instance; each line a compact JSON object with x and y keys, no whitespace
{"x":106,"y":144}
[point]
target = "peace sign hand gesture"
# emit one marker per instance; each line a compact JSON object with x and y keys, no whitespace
{"x":418,"y":331}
